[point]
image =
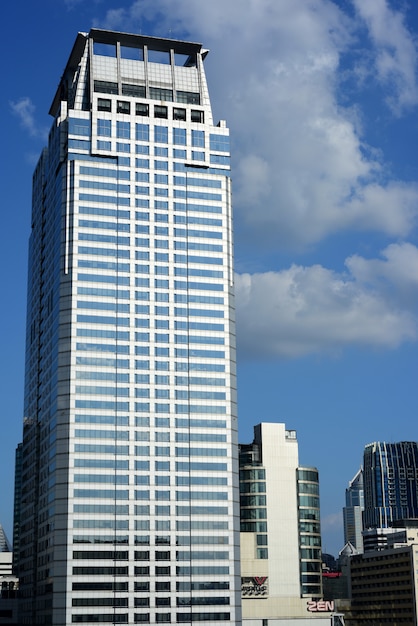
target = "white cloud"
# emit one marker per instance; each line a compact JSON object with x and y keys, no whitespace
{"x":308,"y":310}
{"x":395,"y":52}
{"x":302,"y":170}
{"x":24,"y":109}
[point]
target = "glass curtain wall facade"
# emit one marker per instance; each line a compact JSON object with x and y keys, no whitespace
{"x":390,"y":483}
{"x":130,"y":505}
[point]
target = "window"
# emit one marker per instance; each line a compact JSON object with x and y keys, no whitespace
{"x":104,"y":128}
{"x":123,"y":107}
{"x":197,"y":116}
{"x":179,"y":114}
{"x":219,"y":143}
{"x":198,"y":138}
{"x":159,"y":93}
{"x":188,"y":97}
{"x":103,"y":104}
{"x":161,"y":134}
{"x":105,"y":86}
{"x":142,"y":109}
{"x":179,"y":136}
{"x":133,"y":90}
{"x":160,"y":111}
{"x":123,"y":130}
{"x":141,"y":133}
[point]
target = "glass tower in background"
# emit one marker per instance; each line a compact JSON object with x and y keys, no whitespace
{"x":390,"y":483}
{"x":353,"y":512}
{"x":129,"y":475}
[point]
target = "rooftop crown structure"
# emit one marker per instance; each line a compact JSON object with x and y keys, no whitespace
{"x":130,"y":506}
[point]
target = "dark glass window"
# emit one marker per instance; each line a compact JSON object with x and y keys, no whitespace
{"x":123,"y":107}
{"x":103,"y":104}
{"x":197,"y":116}
{"x":142,"y":109}
{"x":179,"y":114}
{"x":160,"y":112}
{"x":105,"y":86}
{"x":133,"y":90}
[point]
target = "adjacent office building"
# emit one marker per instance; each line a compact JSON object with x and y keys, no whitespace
{"x":129,"y":507}
{"x":384,"y":582}
{"x":390,"y":483}
{"x":281,"y":561}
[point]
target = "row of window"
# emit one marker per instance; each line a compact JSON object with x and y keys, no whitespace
{"x":143,"y":109}
{"x":217,"y":142}
{"x":159,"y":379}
{"x":125,"y":148}
{"x":145,"y":601}
{"x":125,"y":161}
{"x":145,"y":571}
{"x":145,"y":555}
{"x":163,"y":244}
{"x":160,"y":524}
{"x":139,"y":91}
{"x":140,"y":53}
{"x":145,"y":422}
{"x":144,"y":618}
{"x":143,"y":350}
{"x":143,"y":585}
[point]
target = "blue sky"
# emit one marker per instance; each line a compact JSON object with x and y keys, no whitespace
{"x":322,"y":100}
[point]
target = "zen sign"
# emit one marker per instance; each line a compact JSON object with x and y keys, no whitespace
{"x":321,"y":606}
{"x":254,"y":587}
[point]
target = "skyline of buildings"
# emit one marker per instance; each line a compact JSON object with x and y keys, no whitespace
{"x":129,"y":483}
{"x":128,"y":470}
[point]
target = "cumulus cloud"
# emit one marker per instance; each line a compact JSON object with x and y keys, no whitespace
{"x":313,"y":310}
{"x":24,"y":109}
{"x":302,"y":170}
{"x":395,"y":47}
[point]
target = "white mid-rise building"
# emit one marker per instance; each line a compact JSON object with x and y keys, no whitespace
{"x":130,"y":503}
{"x":280,"y":532}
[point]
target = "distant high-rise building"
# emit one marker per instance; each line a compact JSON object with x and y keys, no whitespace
{"x":390,"y":483}
{"x":280,"y":527}
{"x":130,"y":502}
{"x":4,"y":542}
{"x":17,"y":505}
{"x":353,"y":512}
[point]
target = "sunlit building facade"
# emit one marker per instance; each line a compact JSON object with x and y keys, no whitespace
{"x":130,"y":507}
{"x":281,"y":564}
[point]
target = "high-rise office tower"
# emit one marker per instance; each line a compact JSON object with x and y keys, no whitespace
{"x":353,"y":512}
{"x":130,"y":508}
{"x":281,"y":561}
{"x":390,"y":483}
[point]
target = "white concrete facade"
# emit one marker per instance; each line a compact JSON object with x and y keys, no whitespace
{"x":273,"y":585}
